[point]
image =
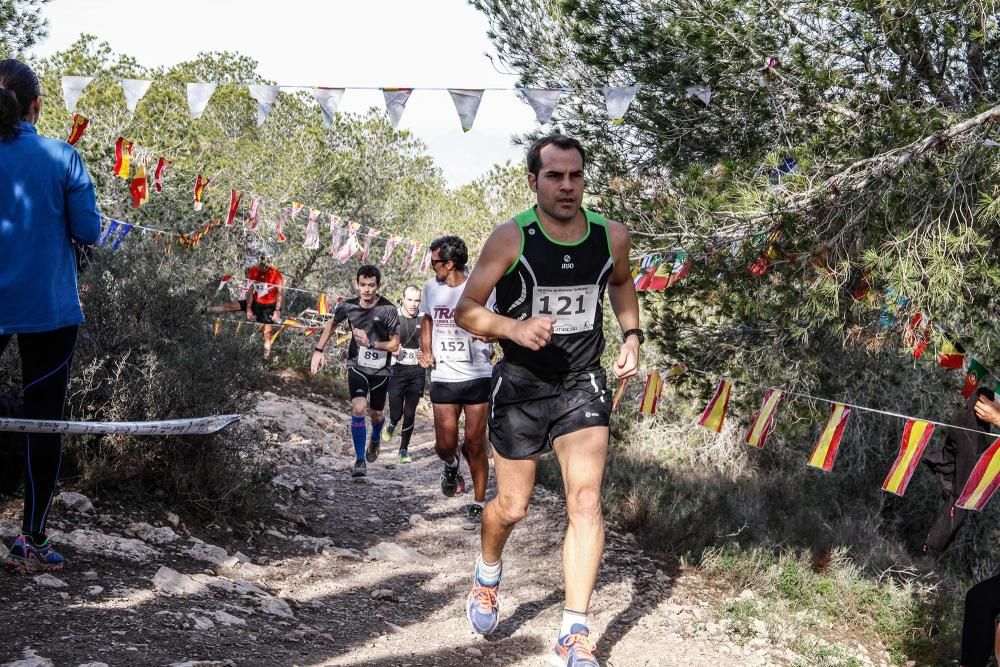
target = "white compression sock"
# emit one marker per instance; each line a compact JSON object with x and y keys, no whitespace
{"x":488,"y":574}
{"x":571,"y":618}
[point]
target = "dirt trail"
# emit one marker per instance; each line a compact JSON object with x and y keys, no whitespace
{"x":317,"y":589}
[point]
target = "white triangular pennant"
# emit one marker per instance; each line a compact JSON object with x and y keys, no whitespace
{"x":73,"y":87}
{"x":543,"y":101}
{"x":618,"y":100}
{"x":135,"y":90}
{"x":265,"y":97}
{"x":198,"y":95}
{"x":328,"y":100}
{"x":395,"y":103}
{"x":466,"y":104}
{"x":703,"y":93}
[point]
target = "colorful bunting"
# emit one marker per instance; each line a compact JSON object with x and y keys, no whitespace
{"x":199,"y":192}
{"x":265,"y":96}
{"x":253,"y":215}
{"x":350,"y":246}
{"x":312,"y":230}
{"x":660,"y":277}
{"x":703,"y":93}
{"x":123,"y":158}
{"x":983,"y":481}
{"x":763,"y":423}
{"x":618,"y":100}
{"x":328,"y":100}
{"x":235,"y":196}
{"x":916,"y":435}
{"x":425,"y":261}
{"x":682,"y":264}
{"x":135,"y":90}
{"x":125,"y":229}
{"x":619,"y":394}
{"x":411,"y":254}
{"x":108,"y":231}
{"x":216,"y":327}
{"x":390,"y":245}
{"x":283,"y":216}
{"x":395,"y":103}
{"x":161,"y":166}
{"x":466,"y":104}
{"x":321,"y":306}
{"x":72,"y":89}
{"x":714,"y":415}
{"x":294,"y":210}
{"x":198,"y":95}
{"x":973,"y":376}
{"x":80,"y":124}
{"x":825,"y":452}
{"x":651,"y":393}
{"x":543,"y":101}
{"x":951,"y":355}
{"x":369,"y":235}
{"x":139,"y":187}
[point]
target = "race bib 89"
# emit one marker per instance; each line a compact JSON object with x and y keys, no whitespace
{"x":574,"y":308}
{"x":453,"y":348}
{"x":406,"y":357}
{"x":374,"y":359}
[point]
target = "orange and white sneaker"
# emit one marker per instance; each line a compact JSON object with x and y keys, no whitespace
{"x":575,"y":649}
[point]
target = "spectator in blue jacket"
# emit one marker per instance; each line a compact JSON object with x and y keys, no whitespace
{"x":46,"y":202}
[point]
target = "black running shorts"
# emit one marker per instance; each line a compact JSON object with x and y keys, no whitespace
{"x":527,"y":412}
{"x":407,"y":384}
{"x":375,"y":387}
{"x":264,"y":313}
{"x":470,"y":392}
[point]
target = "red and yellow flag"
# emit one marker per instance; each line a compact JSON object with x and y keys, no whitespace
{"x":762,"y":424}
{"x":321,"y":306}
{"x":161,"y":166}
{"x":138,"y":187}
{"x":644,"y":278}
{"x":829,"y":440}
{"x":619,"y":394}
{"x":123,"y":158}
{"x":983,"y":481}
{"x":199,"y":192}
{"x":715,"y":412}
{"x":216,"y":327}
{"x":658,"y":282}
{"x":234,"y":206}
{"x":80,"y":124}
{"x":654,"y":386}
{"x":916,"y":435}
{"x":951,"y":355}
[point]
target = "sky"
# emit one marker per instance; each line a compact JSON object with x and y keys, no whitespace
{"x":374,"y":43}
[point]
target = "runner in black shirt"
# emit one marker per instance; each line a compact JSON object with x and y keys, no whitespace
{"x":406,"y":383}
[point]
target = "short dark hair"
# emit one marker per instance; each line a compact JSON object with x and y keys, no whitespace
{"x":563,"y":141}
{"x":451,"y":249}
{"x":369,"y":271}
{"x":18,"y":89}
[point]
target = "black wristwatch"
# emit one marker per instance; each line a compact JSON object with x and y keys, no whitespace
{"x":634,"y":332}
{"x":371,"y":344}
{"x":318,"y":349}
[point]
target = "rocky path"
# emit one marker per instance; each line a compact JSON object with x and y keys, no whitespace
{"x":368,"y":573}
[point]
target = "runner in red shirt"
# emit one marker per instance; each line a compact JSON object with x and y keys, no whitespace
{"x":264,"y":299}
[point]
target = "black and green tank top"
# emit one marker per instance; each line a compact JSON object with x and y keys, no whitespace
{"x":565,"y":281}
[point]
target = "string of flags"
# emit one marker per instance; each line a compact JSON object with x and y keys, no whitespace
{"x":917,"y":432}
{"x":288,"y":323}
{"x":543,"y":101}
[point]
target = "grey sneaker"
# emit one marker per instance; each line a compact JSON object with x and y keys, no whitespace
{"x":473,"y":517}
{"x":371,"y":454}
{"x":360,"y":469}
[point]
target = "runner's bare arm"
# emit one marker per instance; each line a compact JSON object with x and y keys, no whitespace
{"x":426,"y":358}
{"x":391,"y":346}
{"x":624,"y":302}
{"x":318,"y":357}
{"x":499,"y":253}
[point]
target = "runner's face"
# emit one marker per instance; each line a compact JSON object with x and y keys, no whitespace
{"x":559,"y":184}
{"x":411,"y":302}
{"x":367,"y":288}
{"x":441,"y":269}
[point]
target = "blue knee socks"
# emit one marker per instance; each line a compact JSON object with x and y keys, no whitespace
{"x":358,"y":434}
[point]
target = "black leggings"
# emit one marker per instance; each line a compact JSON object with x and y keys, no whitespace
{"x":982,"y":604}
{"x":45,"y":362}
{"x":405,"y":391}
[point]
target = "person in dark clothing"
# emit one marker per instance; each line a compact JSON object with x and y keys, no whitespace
{"x":406,"y":383}
{"x":953,"y":463}
{"x":980,"y":639}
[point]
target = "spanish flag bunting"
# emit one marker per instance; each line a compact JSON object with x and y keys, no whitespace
{"x":951,"y":355}
{"x":344,"y":338}
{"x":282,"y":217}
{"x":309,"y":332}
{"x":321,"y":306}
{"x":80,"y":124}
{"x":674,"y":373}
{"x":123,"y":158}
{"x":829,"y":440}
{"x":253,"y":215}
{"x":916,"y":435}
{"x":216,"y":327}
{"x":651,"y":394}
{"x":921,"y":334}
{"x":199,"y":192}
{"x":715,"y":412}
{"x":239,"y":325}
{"x":139,"y":187}
{"x":973,"y":377}
{"x":161,"y":166}
{"x":763,"y":423}
{"x":296,"y":207}
{"x":983,"y":481}
{"x":658,"y":282}
{"x":234,"y":206}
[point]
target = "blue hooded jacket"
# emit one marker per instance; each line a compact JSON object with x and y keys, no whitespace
{"x":46,"y":199}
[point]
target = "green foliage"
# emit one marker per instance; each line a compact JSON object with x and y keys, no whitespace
{"x":21,"y":26}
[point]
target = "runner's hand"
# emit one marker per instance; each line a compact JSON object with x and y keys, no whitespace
{"x":627,"y":363}
{"x":534,"y":333}
{"x":361,"y":337}
{"x":988,"y":410}
{"x":425,"y":360}
{"x":276,"y":317}
{"x":318,"y":361}
{"x":249,"y":315}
